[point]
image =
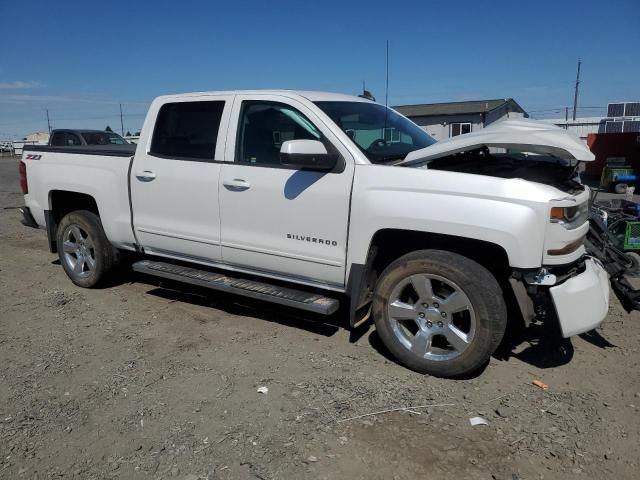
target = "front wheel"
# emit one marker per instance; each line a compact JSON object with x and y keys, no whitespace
{"x":84,"y":250}
{"x":439,"y":313}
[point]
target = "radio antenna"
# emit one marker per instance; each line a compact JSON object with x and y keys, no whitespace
{"x":386,"y":97}
{"x":386,"y":87}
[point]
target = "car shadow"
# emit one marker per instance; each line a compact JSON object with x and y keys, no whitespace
{"x":540,"y":345}
{"x":595,"y":339}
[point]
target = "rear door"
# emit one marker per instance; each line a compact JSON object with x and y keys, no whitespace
{"x":174,"y":179}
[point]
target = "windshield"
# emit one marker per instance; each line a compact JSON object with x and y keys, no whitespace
{"x":381,"y":134}
{"x":103,"y":138}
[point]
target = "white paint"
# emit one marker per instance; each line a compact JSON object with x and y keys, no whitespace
{"x":582,"y":302}
{"x":303,"y":147}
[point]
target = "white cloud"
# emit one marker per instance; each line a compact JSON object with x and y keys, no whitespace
{"x":19,"y":85}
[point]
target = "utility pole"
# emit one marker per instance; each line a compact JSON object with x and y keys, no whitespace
{"x":566,"y":116}
{"x":48,"y":121}
{"x":121,"y":123}
{"x":386,"y":93}
{"x":575,"y":96}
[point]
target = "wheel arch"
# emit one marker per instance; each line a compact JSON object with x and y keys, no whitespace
{"x":62,"y":202}
{"x":387,"y":245}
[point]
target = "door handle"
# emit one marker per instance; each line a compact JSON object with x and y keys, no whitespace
{"x":146,"y":176}
{"x":237,"y":184}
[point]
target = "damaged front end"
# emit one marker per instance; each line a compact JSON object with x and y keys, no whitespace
{"x":604,"y":243}
{"x":525,"y":149}
{"x":577,"y":293}
{"x":580,"y":259}
{"x":560,"y":174}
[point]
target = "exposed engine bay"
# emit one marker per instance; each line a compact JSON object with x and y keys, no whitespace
{"x":547,"y":170}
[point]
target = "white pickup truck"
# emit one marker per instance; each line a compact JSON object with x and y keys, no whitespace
{"x":311,"y":199}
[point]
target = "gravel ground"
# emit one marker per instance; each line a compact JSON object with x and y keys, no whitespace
{"x":154,"y":380}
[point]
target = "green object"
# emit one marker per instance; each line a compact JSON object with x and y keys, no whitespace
{"x":609,"y":175}
{"x":632,"y":236}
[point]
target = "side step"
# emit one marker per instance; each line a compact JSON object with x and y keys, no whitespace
{"x":290,"y":297}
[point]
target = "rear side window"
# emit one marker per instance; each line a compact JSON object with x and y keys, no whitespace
{"x":58,"y":139}
{"x":187,"y":130}
{"x":65,"y":139}
{"x":72,"y":139}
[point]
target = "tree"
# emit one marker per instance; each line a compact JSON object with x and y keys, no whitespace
{"x":108,"y":129}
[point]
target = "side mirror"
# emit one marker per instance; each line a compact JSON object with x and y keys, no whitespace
{"x":307,"y":154}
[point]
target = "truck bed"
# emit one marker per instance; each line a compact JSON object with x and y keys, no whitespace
{"x":100,"y":172}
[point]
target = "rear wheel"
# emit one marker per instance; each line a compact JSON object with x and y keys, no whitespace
{"x":83,"y":248}
{"x":439,"y":313}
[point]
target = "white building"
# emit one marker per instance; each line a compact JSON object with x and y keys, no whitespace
{"x":580,"y":126}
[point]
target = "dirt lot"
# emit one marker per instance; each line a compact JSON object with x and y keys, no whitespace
{"x":151,"y":380}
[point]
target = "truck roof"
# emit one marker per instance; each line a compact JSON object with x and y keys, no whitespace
{"x":309,"y":95}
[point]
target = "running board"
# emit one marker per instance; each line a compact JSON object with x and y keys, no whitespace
{"x":290,"y":297}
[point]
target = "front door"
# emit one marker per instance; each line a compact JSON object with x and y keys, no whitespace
{"x":279,"y":220}
{"x":175,"y":180}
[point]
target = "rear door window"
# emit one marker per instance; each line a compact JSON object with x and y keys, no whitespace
{"x":187,"y":130}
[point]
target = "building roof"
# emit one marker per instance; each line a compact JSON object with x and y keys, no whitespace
{"x":457,"y":108}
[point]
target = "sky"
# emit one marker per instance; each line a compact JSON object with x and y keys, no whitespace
{"x":81,"y":60}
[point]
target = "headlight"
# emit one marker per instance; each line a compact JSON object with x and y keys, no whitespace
{"x":570,"y":217}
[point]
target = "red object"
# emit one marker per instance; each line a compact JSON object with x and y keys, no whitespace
{"x":23,"y":178}
{"x":613,"y":145}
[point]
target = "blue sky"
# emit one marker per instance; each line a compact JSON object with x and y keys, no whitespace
{"x":82,"y":59}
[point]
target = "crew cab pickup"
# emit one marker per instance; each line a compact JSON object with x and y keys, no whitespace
{"x":312,"y":199}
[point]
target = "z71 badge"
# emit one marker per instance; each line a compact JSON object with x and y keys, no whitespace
{"x":31,"y":156}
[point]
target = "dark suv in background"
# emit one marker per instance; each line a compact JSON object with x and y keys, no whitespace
{"x":71,"y":138}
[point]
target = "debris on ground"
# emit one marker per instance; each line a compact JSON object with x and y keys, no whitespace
{"x":540,"y":385}
{"x":475,"y":421}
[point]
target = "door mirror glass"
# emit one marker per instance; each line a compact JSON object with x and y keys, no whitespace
{"x":307,"y":154}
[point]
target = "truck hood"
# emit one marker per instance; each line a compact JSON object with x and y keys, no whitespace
{"x":522,"y":135}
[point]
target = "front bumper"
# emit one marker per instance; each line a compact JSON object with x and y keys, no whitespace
{"x":582,"y":301}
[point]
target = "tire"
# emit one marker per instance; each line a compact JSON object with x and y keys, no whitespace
{"x":85,"y":253}
{"x":634,"y":268}
{"x":417,"y":320}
